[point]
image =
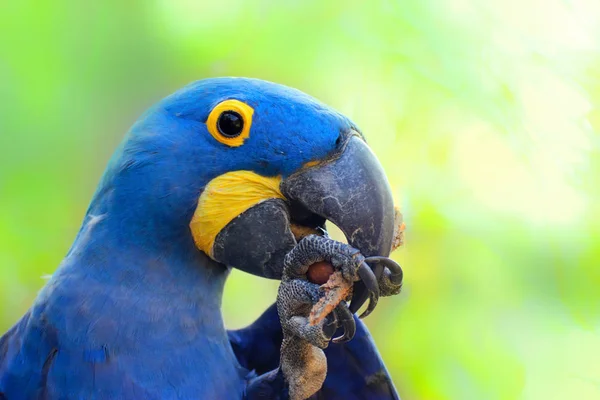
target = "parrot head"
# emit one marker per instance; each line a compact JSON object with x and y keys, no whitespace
{"x":245,"y":168}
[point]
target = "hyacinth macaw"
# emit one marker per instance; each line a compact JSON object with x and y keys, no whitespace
{"x":227,"y":172}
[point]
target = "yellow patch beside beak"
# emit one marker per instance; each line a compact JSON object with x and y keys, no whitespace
{"x":226,"y":197}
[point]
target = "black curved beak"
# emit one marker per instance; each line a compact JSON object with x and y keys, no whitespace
{"x":352,"y":191}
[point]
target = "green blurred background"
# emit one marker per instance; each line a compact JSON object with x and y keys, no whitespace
{"x":485,"y":115}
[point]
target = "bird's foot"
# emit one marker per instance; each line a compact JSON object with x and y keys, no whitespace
{"x":305,"y":337}
{"x":372,"y":276}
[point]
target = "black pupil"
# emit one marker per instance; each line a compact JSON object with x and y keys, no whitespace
{"x":230,"y":124}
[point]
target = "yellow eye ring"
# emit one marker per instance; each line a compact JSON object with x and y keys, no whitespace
{"x":230,"y":121}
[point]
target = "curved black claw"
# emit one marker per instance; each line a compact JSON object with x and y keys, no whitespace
{"x":369,"y":281}
{"x":396,"y":275}
{"x":379,"y":266}
{"x":330,"y":325}
{"x":346,"y":320}
{"x":359,"y":296}
{"x":368,"y":277}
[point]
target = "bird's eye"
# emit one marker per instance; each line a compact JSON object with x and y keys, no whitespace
{"x":230,"y":124}
{"x":230,"y":121}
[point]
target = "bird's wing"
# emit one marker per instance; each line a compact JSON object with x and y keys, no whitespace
{"x":355,"y":369}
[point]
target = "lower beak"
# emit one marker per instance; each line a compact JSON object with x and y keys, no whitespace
{"x":352,"y":191}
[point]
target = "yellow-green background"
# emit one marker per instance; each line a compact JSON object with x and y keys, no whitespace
{"x":484,"y":114}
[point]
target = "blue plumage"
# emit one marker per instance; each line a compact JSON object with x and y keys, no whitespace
{"x":133,"y":311}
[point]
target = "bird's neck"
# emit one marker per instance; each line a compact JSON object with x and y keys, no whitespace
{"x":159,"y":305}
{"x":163,"y":284}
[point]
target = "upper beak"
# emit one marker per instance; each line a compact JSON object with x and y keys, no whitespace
{"x":352,"y":191}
